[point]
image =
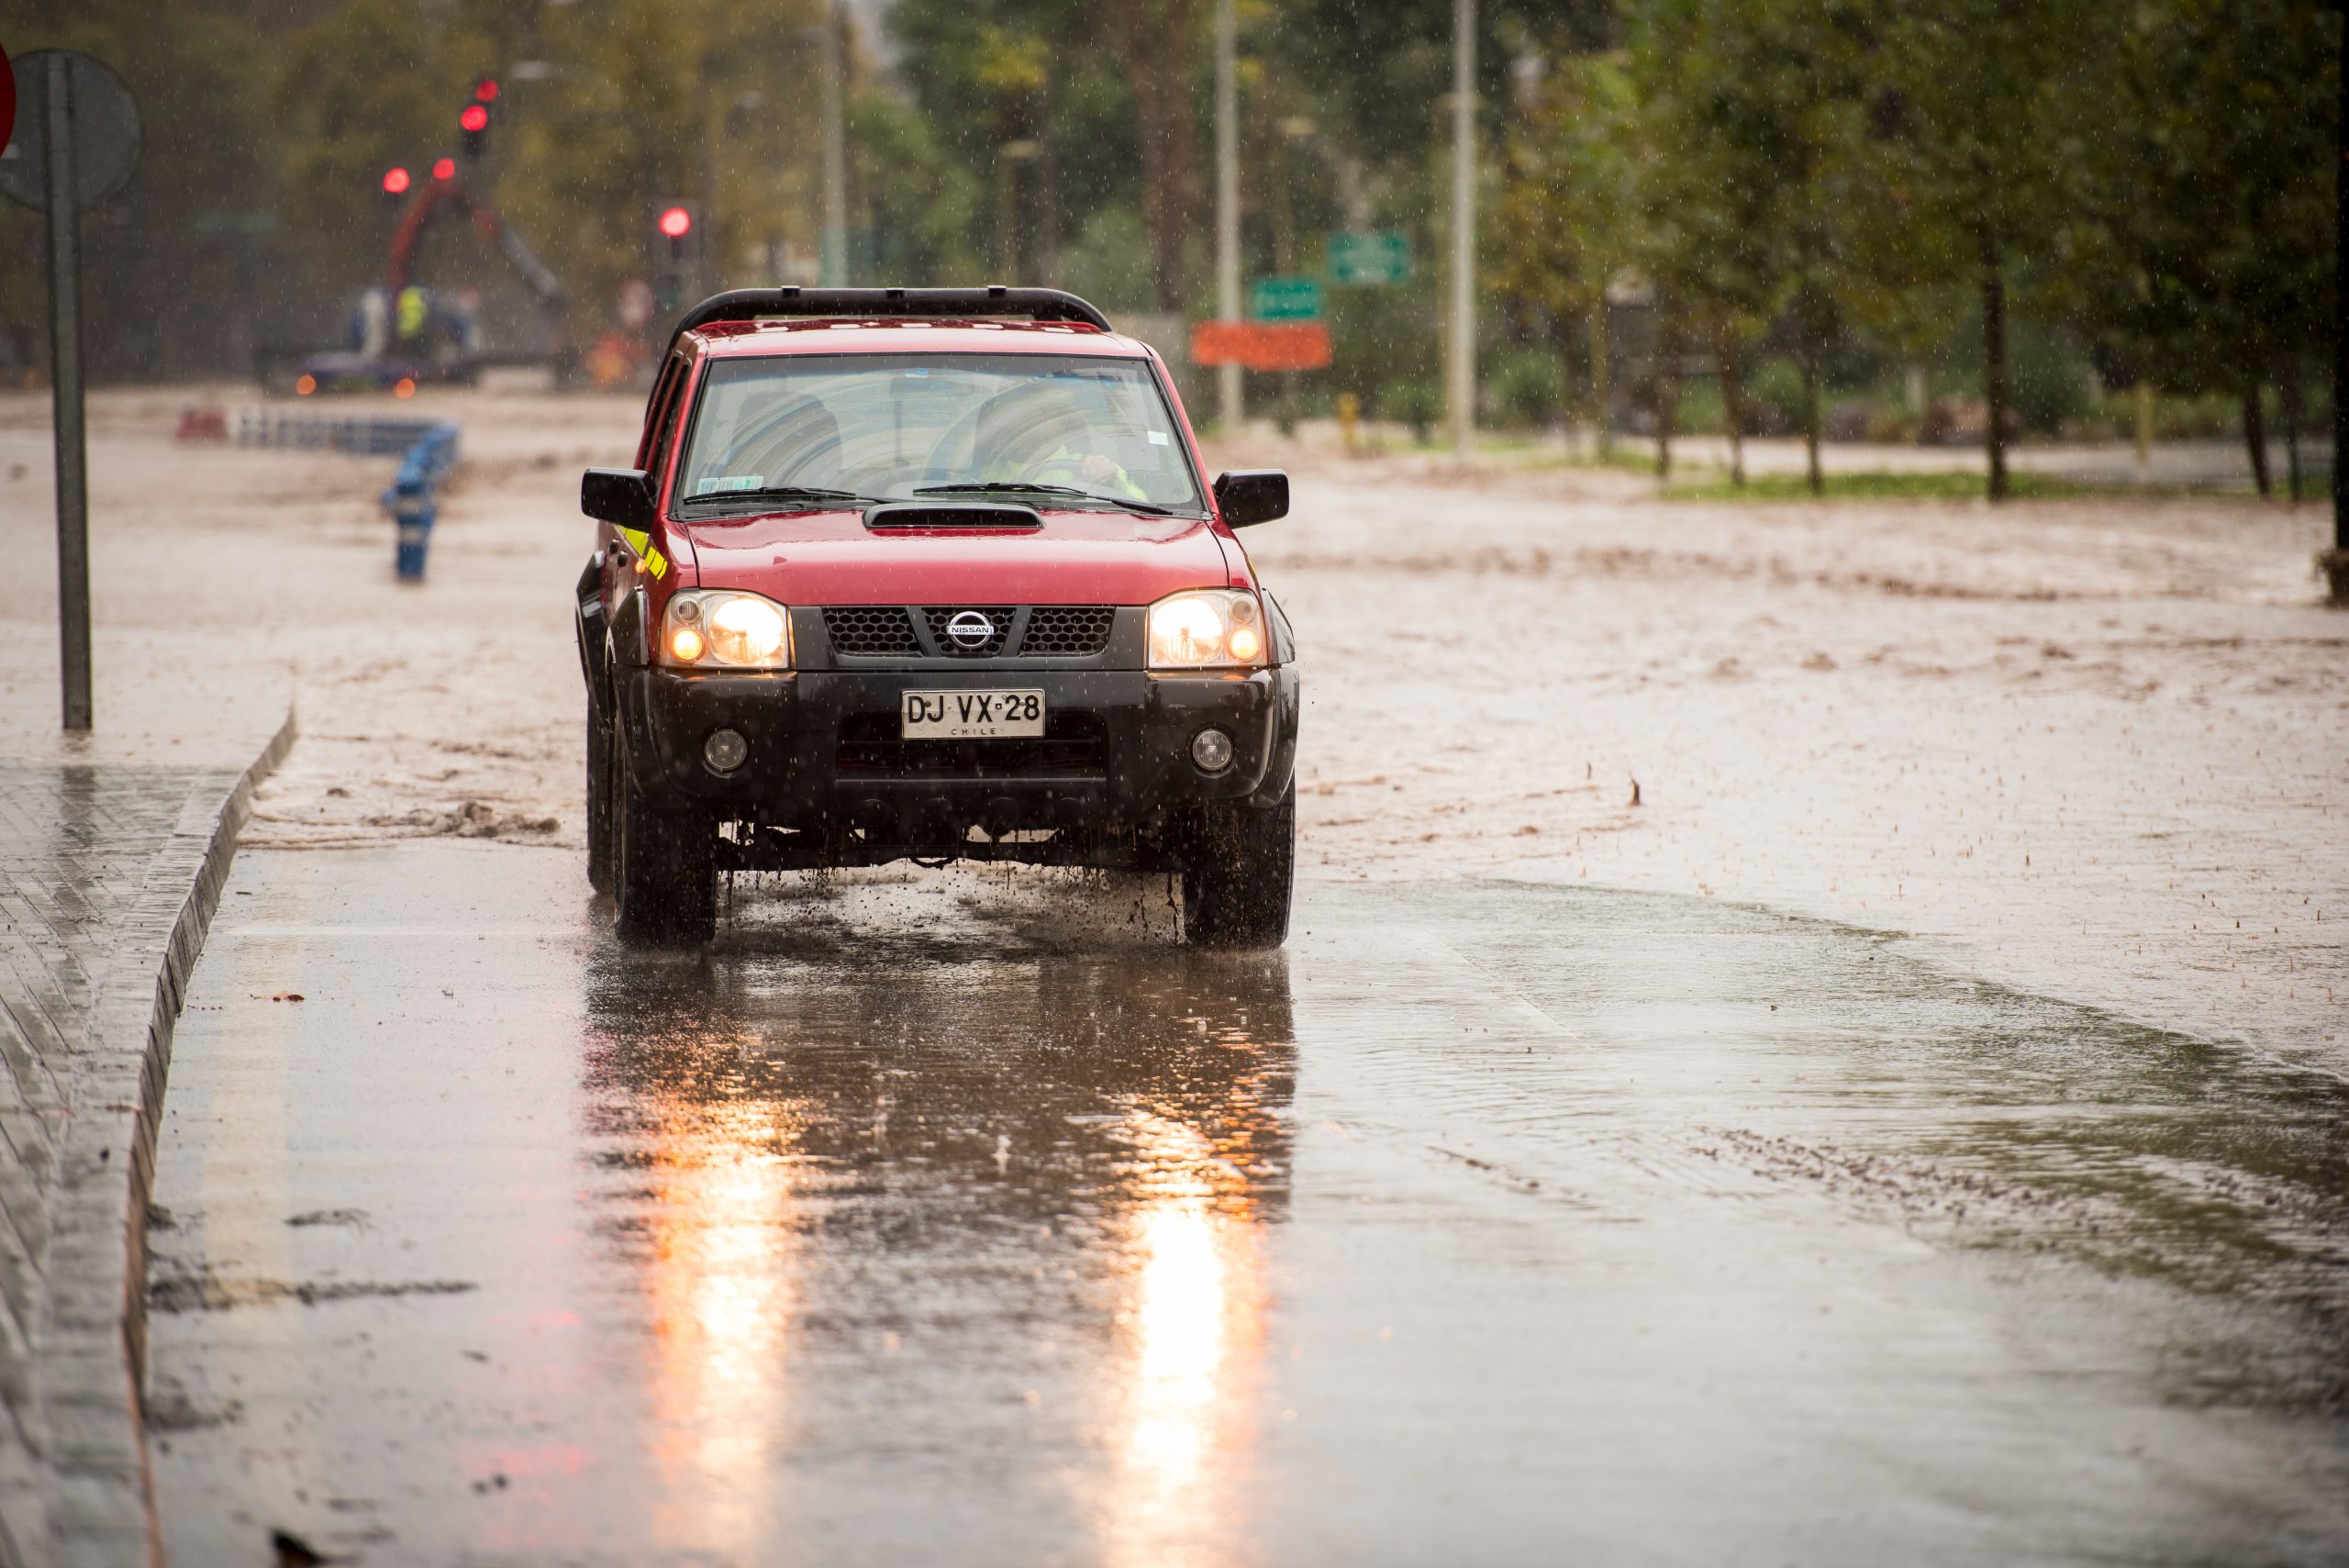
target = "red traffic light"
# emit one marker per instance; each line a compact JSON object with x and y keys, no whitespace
{"x":486,"y":90}
{"x":474,"y":119}
{"x":676,"y":222}
{"x":444,"y":169}
{"x":396,"y":180}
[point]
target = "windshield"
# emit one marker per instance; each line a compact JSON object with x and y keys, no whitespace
{"x":1079,"y":430}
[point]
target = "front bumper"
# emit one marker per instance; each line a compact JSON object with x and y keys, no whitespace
{"x":823,"y":754}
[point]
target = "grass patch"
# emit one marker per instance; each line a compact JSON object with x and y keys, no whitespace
{"x":1917,"y":486}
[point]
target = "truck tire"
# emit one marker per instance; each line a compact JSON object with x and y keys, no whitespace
{"x":664,"y":866}
{"x":1237,"y":883}
{"x":600,"y":800}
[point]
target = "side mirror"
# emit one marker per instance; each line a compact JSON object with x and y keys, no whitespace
{"x":1248,"y":495}
{"x":620,"y":497}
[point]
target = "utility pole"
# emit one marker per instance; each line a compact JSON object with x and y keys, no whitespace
{"x":1227,"y":201}
{"x":1462,"y":367}
{"x":835,"y":70}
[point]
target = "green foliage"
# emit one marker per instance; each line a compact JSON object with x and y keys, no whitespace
{"x":919,"y":204}
{"x":2202,"y":244}
{"x":1822,"y":186}
{"x":2050,"y":378}
{"x":1109,"y":263}
{"x":1528,"y":387}
{"x":199,"y":201}
{"x":1051,"y":74}
{"x":1873,"y":487}
{"x":372,"y":84}
{"x":1416,"y":401}
{"x":1568,"y":220}
{"x":1774,"y":395}
{"x":1384,"y":64}
{"x":1851,"y":180}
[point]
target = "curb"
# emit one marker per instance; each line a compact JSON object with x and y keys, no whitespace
{"x":89,"y":1370}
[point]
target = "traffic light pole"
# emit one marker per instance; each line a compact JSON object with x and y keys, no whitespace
{"x":65,"y":385}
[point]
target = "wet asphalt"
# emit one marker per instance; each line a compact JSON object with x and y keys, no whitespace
{"x":966,"y":1217}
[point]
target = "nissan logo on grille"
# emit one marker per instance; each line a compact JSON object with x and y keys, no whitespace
{"x":971,"y":629}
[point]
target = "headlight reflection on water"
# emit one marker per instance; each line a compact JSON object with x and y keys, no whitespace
{"x":1195,"y":1327}
{"x":722,"y":1301}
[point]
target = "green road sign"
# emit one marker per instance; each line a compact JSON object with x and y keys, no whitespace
{"x":1285,"y":299}
{"x":1380,"y":256}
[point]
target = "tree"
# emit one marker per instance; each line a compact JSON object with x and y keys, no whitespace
{"x":1158,"y":42}
{"x":1565,"y":218}
{"x":2204,"y":254}
{"x":1965,"y":168}
{"x":1747,"y":106}
{"x":1021,"y":96}
{"x":183,"y":265}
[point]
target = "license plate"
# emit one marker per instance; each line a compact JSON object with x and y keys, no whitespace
{"x":970,"y":716}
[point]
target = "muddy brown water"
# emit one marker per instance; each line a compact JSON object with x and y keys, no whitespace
{"x":969,"y":1217}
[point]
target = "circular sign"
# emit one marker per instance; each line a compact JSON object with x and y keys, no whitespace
{"x":102,"y":116}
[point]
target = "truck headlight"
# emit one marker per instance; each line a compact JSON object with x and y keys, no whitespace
{"x":1203,"y":628}
{"x":707,"y":628}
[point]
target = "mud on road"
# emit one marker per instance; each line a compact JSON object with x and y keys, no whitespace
{"x":1816,"y":1024}
{"x":970,"y":1215}
{"x":2093,"y":748}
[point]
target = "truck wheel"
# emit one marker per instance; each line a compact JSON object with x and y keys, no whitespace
{"x":600,"y":800}
{"x":1236,"y":885}
{"x":664,"y":866}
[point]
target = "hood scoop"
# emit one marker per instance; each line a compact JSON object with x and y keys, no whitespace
{"x":897,"y":515}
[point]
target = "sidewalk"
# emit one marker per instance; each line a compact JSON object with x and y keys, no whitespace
{"x":84,"y":847}
{"x":113,"y":846}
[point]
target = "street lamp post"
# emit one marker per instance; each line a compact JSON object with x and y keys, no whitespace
{"x":1463,"y":364}
{"x":1009,"y":157}
{"x":1227,"y":202}
{"x":834,"y":69}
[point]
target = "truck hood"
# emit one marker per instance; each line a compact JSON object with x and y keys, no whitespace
{"x":1076,"y":558}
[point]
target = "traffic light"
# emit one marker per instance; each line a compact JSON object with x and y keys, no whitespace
{"x":472,"y":124}
{"x":486,"y":90}
{"x":444,"y":169}
{"x":396,"y":182}
{"x":677,"y":253}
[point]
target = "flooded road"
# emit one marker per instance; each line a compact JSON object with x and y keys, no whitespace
{"x":964,"y":1216}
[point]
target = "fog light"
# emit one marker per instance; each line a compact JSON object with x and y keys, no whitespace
{"x":725,"y":750}
{"x":1211,"y":750}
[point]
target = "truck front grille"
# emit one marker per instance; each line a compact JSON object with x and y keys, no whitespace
{"x":1063,"y":631}
{"x":871,"y":631}
{"x":927,"y":632}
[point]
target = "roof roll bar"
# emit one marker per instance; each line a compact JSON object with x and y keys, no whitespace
{"x":749,"y":305}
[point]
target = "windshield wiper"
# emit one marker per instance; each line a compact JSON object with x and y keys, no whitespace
{"x":1014,"y":487}
{"x":778,"y":492}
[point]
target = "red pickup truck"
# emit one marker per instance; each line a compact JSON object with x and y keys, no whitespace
{"x":929,"y":574}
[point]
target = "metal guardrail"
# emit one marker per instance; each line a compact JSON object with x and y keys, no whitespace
{"x":413,"y":500}
{"x":362,"y":435}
